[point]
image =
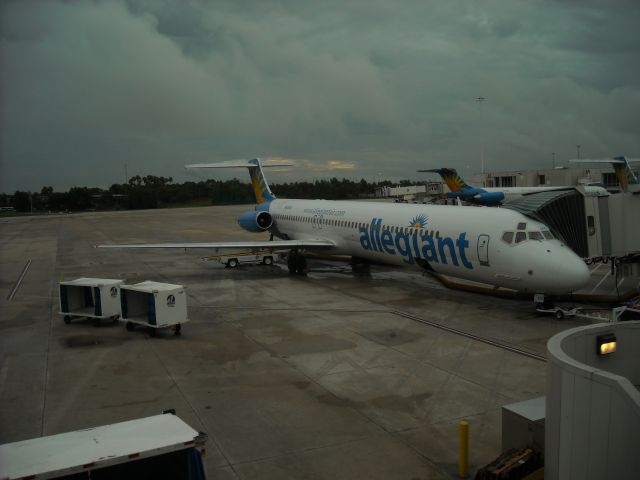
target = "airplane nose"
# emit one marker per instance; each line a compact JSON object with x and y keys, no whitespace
{"x":564,"y":272}
{"x":575,"y":273}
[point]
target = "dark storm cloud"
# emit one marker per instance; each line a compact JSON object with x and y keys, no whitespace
{"x":379,"y":86}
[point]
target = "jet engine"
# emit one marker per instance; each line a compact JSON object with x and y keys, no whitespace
{"x":256,"y":221}
{"x":489,"y":198}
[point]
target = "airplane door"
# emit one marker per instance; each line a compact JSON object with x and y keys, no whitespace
{"x":317,"y":222}
{"x":483,"y":250}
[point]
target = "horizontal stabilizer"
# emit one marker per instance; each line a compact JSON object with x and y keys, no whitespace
{"x":236,"y":164}
{"x":281,"y":244}
{"x":586,"y":160}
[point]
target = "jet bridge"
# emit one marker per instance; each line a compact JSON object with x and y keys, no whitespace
{"x":563,"y":211}
{"x":592,"y":222}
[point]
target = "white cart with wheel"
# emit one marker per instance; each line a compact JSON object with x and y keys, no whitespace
{"x":97,"y":298}
{"x":154,"y":305}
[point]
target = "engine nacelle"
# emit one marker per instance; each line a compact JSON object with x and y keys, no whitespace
{"x":477,"y":195}
{"x":489,"y":198}
{"x":256,"y":221}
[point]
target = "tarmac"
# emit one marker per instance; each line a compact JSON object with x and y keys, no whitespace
{"x":329,"y":375}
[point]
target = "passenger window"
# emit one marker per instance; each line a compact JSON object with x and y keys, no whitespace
{"x":536,"y":236}
{"x":522,"y":226}
{"x":507,"y":237}
{"x":521,"y":237}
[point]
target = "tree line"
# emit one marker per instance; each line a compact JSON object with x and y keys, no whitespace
{"x":159,"y":192}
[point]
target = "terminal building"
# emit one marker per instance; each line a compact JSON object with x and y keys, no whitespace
{"x":552,"y":177}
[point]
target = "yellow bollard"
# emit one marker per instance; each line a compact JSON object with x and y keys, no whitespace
{"x":463,"y":451}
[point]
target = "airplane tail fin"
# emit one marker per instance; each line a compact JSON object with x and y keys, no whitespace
{"x":624,"y":173}
{"x":451,"y":178}
{"x":258,"y":181}
{"x":626,"y":178}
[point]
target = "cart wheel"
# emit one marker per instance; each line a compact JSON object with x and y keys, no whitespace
{"x":130,"y":326}
{"x":178,"y":329}
{"x":67,"y":319}
{"x":115,"y":318}
{"x":559,"y":314}
{"x":267,"y":260}
{"x":232,"y":263}
{"x":152,"y":332}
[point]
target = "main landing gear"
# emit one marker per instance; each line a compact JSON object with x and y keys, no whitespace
{"x":360,"y":266}
{"x":297,"y":264}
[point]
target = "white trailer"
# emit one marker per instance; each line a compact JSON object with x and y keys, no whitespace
{"x":161,"y":446}
{"x":154,"y":305}
{"x":97,"y":298}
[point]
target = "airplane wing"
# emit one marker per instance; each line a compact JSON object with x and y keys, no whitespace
{"x":282,"y":244}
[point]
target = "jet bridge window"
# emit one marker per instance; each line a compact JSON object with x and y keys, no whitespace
{"x":591,"y":225}
{"x":507,"y":237}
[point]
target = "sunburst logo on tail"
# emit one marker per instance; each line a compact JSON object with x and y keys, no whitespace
{"x":623,"y":174}
{"x":452,"y":179}
{"x":259,"y":183}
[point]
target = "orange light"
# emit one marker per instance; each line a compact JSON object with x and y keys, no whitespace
{"x":606,"y":344}
{"x":608,"y":347}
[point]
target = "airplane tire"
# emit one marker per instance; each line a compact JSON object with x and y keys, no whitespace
{"x":232,"y":263}
{"x":559,"y":314}
{"x":291,"y":264}
{"x":130,"y":326}
{"x":302,"y":265}
{"x":178,"y":329}
{"x":267,"y":260}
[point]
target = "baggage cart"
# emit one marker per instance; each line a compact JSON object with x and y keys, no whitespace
{"x":234,"y":259}
{"x":154,"y":305}
{"x":97,"y":298}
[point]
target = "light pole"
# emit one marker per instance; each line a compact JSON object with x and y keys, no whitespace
{"x":553,"y":160}
{"x":480,"y":100}
{"x":578,"y":150}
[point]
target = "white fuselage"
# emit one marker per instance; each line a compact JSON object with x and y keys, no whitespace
{"x":465,"y":242}
{"x":515,"y":192}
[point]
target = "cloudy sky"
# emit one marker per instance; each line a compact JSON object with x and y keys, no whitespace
{"x":344,"y":88}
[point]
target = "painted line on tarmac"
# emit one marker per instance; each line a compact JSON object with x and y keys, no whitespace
{"x":471,"y":336}
{"x":19,"y":282}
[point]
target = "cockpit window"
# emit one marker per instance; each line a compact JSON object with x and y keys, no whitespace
{"x":507,"y":237}
{"x":522,"y":226}
{"x":521,"y":237}
{"x":536,"y":236}
{"x":548,"y":235}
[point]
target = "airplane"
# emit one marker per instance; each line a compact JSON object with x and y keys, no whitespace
{"x":488,"y":196}
{"x":626,"y":178}
{"x":494,"y":246}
